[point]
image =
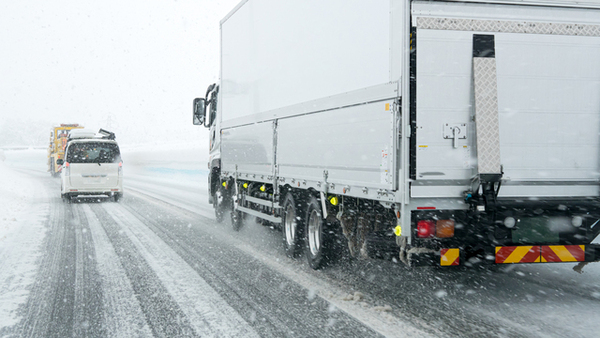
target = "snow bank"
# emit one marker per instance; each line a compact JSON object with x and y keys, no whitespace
{"x":23,"y":208}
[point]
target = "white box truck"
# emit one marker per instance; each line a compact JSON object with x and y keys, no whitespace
{"x":443,"y":132}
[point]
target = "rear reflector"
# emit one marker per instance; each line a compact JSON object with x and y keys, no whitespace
{"x":449,"y":257}
{"x":540,"y":254}
{"x":425,"y":208}
{"x":73,"y":190}
{"x":517,"y":254}
{"x":563,"y":253}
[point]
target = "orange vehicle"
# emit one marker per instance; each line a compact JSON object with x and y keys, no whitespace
{"x":58,"y":142}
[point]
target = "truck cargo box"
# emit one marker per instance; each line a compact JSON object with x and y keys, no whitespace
{"x":437,"y":132}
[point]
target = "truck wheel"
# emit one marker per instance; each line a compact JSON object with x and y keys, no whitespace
{"x":292,"y":226}
{"x":318,"y":242}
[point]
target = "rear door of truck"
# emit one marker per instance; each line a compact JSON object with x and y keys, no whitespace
{"x":541,"y":82}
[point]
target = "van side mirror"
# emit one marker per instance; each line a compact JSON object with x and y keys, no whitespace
{"x":199,"y":111}
{"x":60,"y":161}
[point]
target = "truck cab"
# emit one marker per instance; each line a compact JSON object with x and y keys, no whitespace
{"x":58,"y":142}
{"x":206,"y":114}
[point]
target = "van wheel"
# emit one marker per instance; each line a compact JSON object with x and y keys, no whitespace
{"x":117,"y":197}
{"x":292,"y":226}
{"x":66,"y":198}
{"x":318,"y":242}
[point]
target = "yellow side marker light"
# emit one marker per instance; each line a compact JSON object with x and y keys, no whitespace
{"x":225,"y":184}
{"x":262,"y":188}
{"x":333,"y":200}
{"x":398,"y":230}
{"x":245,"y":185}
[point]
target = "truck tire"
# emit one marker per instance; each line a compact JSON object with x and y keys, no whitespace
{"x":292,"y":226}
{"x":318,"y":242}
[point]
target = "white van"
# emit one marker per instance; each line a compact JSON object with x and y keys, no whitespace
{"x":92,"y":167}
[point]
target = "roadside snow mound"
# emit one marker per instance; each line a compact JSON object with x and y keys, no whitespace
{"x":23,"y":207}
{"x":16,"y":194}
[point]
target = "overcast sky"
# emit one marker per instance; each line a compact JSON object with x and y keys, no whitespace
{"x":130,"y":66}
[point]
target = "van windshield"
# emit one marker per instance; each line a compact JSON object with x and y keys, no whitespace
{"x":93,"y":152}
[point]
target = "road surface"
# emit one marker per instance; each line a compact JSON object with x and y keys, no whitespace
{"x":156,"y":264}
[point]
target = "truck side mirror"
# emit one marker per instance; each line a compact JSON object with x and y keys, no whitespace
{"x":60,"y":161}
{"x":199,"y":111}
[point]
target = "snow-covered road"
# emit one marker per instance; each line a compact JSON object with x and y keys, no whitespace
{"x":156,"y":264}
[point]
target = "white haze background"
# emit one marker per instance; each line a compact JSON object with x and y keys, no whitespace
{"x":132,"y":67}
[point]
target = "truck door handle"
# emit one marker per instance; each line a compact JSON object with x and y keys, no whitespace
{"x":455,"y":137}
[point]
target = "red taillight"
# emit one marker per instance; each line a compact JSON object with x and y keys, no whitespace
{"x":66,"y":164}
{"x":67,"y":169}
{"x":120,"y":171}
{"x":426,"y":229}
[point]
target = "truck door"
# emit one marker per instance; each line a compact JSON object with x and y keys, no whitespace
{"x":544,"y":89}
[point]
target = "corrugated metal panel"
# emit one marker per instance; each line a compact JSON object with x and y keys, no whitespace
{"x":475,"y":25}
{"x":565,"y":3}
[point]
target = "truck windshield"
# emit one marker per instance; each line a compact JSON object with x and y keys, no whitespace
{"x":96,"y":152}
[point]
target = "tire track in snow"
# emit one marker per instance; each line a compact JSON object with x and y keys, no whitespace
{"x":67,"y":295}
{"x":88,"y":319}
{"x":163,"y":315}
{"x":274,"y":304}
{"x":207,"y":312}
{"x":122,"y":312}
{"x":167,"y":195}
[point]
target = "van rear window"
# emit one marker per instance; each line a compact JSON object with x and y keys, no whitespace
{"x":93,"y":152}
